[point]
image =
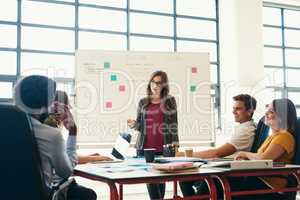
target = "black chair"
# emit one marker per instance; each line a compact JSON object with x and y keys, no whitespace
{"x":292,"y":182}
{"x":261,"y":133}
{"x":21,"y":177}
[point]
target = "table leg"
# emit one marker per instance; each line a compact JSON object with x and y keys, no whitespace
{"x":121,"y":191}
{"x":212,"y":188}
{"x":226,"y":187}
{"x":113,"y":191}
{"x":175,"y":195}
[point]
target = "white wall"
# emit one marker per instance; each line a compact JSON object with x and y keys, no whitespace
{"x":241,"y":55}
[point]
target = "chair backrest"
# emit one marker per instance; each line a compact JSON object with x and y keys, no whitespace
{"x":261,"y":133}
{"x":21,"y":177}
{"x":292,"y":182}
{"x":296,"y":159}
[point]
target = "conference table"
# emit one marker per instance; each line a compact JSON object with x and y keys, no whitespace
{"x":136,"y":171}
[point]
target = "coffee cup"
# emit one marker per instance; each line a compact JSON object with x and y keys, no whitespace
{"x":188,"y":152}
{"x":149,"y":154}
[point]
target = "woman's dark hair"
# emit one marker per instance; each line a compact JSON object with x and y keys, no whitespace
{"x":168,"y":102}
{"x":62,"y":97}
{"x":286,"y":113}
{"x":164,"y":84}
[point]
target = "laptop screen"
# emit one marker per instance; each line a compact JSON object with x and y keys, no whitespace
{"x":121,"y":146}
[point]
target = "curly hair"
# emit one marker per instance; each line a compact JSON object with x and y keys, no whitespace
{"x":32,"y":93}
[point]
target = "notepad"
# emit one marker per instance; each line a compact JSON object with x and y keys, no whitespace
{"x":176,"y":166}
{"x":242,"y":164}
{"x":179,"y":159}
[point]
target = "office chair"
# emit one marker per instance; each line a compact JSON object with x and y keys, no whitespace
{"x":261,"y":133}
{"x":292,"y":182}
{"x":21,"y":177}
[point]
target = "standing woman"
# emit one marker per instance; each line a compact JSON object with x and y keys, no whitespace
{"x":156,"y":122}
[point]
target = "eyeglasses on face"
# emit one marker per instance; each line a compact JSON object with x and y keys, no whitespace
{"x":158,"y":83}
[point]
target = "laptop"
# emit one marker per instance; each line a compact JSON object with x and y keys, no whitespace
{"x":119,"y":150}
{"x":121,"y":146}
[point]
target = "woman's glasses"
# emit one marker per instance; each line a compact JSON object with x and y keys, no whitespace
{"x":157,"y":83}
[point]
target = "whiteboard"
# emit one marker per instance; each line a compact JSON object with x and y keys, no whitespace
{"x":109,"y":85}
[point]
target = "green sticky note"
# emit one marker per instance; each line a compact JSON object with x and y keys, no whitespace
{"x":193,"y":88}
{"x":106,"y":65}
{"x":113,"y":77}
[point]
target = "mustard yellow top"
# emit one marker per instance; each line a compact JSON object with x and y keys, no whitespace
{"x":287,"y":142}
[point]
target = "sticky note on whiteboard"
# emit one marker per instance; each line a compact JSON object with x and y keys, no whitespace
{"x":106,"y":65}
{"x":113,"y":77}
{"x":194,"y":70}
{"x":122,"y":88}
{"x":108,"y":104}
{"x":193,"y":88}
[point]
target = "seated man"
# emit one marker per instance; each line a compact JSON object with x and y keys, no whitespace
{"x":241,"y":139}
{"x":33,"y":95}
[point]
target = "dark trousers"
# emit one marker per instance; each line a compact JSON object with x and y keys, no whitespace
{"x":236,"y":184}
{"x":156,"y":190}
{"x":78,"y":192}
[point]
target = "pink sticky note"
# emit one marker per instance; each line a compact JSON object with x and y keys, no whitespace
{"x":194,"y":70}
{"x":122,"y":88}
{"x":108,"y":104}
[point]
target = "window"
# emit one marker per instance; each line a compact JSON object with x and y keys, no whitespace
{"x":282,"y":50}
{"x":105,"y":41}
{"x":151,"y":44}
{"x":165,"y":6}
{"x":201,"y":29}
{"x":8,"y":36}
{"x":48,"y":14}
{"x":110,"y":20}
{"x":6,"y":90}
{"x":8,"y":63}
{"x":44,"y":37}
{"x":110,"y":3}
{"x":47,"y":39}
{"x":140,"y":23}
{"x":8,"y":10}
{"x":47,"y":64}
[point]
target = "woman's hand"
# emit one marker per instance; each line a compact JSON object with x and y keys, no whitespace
{"x":242,"y":156}
{"x":131,"y":123}
{"x":94,"y":154}
{"x":92,"y":158}
{"x":100,"y":158}
{"x":67,"y":120}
